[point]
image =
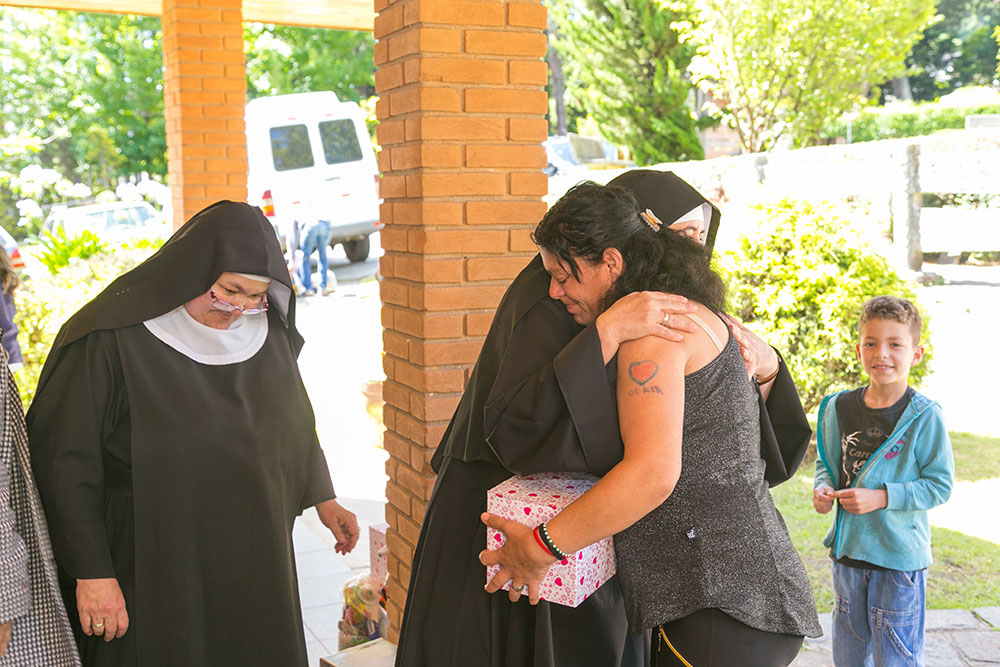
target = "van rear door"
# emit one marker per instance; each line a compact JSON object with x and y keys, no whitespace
{"x":350,"y":172}
{"x":315,"y":156}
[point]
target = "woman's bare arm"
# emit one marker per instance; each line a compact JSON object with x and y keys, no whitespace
{"x":651,"y":417}
{"x":651,"y":414}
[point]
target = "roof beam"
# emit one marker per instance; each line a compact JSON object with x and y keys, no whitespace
{"x":337,"y":14}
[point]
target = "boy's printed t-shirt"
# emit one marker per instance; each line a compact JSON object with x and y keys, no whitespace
{"x":863,"y":430}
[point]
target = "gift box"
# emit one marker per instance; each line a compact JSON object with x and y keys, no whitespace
{"x":376,"y":553}
{"x":534,"y":499}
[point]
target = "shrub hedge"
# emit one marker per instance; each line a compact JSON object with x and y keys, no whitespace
{"x":799,"y":282}
{"x":927,"y":119}
{"x":44,"y":302}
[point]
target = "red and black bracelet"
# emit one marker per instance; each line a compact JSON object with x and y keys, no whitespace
{"x":538,"y":538}
{"x":553,"y":549}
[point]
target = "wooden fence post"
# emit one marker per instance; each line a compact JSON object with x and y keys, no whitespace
{"x":906,"y":205}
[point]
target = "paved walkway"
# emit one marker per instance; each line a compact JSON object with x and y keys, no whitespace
{"x":340,"y":364}
{"x":955,"y":638}
{"x":323,"y":572}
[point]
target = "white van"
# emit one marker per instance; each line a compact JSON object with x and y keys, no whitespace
{"x":311,"y":158}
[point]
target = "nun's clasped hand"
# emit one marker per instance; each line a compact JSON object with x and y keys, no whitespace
{"x":522,"y":562}
{"x":646,"y":314}
{"x":759,"y":358}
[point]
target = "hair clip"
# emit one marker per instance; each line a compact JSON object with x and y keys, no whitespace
{"x":650,"y":219}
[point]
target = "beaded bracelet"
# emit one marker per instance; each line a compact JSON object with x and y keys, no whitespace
{"x":556,"y":551}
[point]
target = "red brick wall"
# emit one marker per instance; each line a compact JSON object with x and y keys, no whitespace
{"x":204,"y":99}
{"x":461,"y":120}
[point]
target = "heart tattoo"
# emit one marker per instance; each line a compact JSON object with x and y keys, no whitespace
{"x":642,"y":372}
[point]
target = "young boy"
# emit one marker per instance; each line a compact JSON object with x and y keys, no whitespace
{"x":885,"y":456}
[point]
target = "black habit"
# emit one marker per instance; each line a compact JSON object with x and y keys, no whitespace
{"x":539,"y":399}
{"x":181,"y":479}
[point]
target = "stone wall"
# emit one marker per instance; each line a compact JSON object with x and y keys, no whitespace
{"x":892,"y":174}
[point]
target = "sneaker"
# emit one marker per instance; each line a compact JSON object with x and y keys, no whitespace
{"x":328,"y":290}
{"x":312,"y":291}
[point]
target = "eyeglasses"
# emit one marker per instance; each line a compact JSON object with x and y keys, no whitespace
{"x":261,"y":306}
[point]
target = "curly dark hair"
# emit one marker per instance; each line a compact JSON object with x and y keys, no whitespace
{"x":591,"y":218}
{"x":892,"y":308}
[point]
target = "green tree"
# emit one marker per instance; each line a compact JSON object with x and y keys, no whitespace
{"x":285,"y":59}
{"x":628,"y":61}
{"x":122,"y":66}
{"x":89,"y":87}
{"x":956,"y":49}
{"x":38,"y":77}
{"x":789,"y":66}
{"x":996,"y":36}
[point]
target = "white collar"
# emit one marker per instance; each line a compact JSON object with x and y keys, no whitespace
{"x":206,"y":345}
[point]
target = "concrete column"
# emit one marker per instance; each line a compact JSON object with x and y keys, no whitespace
{"x":204,"y":99}
{"x":461,"y":120}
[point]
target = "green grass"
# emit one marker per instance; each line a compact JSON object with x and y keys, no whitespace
{"x":966,"y":570}
{"x":976,"y":456}
{"x":807,"y":529}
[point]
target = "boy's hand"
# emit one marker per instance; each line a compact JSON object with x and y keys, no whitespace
{"x":862,"y":501}
{"x":823,"y":499}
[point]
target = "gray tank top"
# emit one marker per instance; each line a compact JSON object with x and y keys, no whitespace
{"x":717,"y":541}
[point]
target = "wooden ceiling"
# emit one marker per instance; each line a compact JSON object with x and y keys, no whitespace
{"x":340,"y":14}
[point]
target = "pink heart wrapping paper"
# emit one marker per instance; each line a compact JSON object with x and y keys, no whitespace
{"x":376,"y":553}
{"x":534,"y":499}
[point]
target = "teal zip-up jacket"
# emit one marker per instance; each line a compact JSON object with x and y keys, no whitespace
{"x":914,"y":466}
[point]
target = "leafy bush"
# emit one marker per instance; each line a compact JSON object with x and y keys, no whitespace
{"x":45,"y":302}
{"x":144,"y":244}
{"x":922,"y":120}
{"x":799,"y":283}
{"x":960,"y":200}
{"x":61,"y":250}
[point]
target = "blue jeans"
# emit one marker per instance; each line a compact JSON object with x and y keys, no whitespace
{"x":878,"y":617}
{"x":316,"y":237}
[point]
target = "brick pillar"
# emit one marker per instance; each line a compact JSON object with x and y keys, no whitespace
{"x":204,"y":98}
{"x":461,"y":120}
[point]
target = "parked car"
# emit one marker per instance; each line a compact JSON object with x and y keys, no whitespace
{"x":310,"y":157}
{"x":114,"y":222}
{"x":572,"y":154}
{"x":13,"y":251}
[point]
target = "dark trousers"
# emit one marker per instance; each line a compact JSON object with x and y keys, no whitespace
{"x":711,"y":638}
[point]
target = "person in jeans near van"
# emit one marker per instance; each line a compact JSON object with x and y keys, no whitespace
{"x":885,"y":448}
{"x":315,"y":236}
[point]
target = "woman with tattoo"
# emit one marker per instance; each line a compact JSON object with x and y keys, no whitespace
{"x":704,"y":557}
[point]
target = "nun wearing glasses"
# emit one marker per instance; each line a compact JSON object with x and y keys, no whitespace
{"x":174,"y":444}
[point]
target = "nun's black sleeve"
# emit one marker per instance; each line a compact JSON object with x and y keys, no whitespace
{"x":319,"y":486}
{"x":784,"y":428}
{"x":79,"y":409}
{"x":551,"y":406}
